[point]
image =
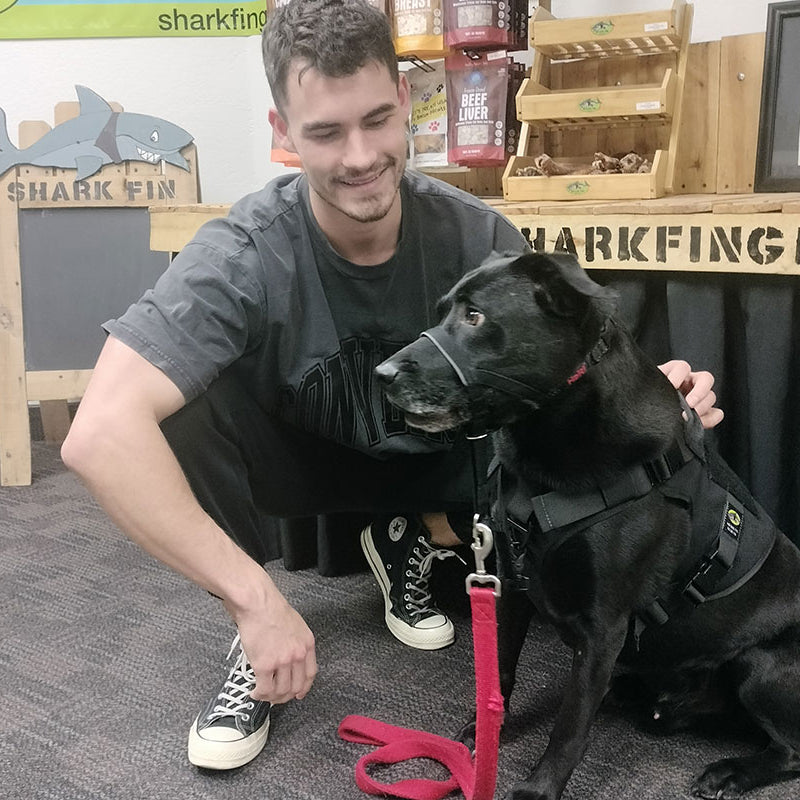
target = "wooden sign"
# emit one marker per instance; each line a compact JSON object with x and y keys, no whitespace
{"x":756,"y":243}
{"x":46,"y":172}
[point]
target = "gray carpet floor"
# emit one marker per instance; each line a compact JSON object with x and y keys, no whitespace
{"x":106,"y":657}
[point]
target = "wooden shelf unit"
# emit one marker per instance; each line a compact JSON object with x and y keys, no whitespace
{"x":610,"y":85}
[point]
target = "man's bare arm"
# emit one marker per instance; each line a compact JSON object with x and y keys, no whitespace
{"x":116,"y":447}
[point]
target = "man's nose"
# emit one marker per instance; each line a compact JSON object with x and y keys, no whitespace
{"x":360,"y":153}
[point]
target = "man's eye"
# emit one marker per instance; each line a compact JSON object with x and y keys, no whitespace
{"x":377,"y":123}
{"x":473,"y":317}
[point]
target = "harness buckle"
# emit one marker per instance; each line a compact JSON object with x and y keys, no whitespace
{"x":482,"y":542}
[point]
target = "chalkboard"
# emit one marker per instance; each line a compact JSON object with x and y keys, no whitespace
{"x":80,"y":267}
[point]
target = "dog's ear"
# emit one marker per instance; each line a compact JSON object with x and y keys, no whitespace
{"x":562,"y":285}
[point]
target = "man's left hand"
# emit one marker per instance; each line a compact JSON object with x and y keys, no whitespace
{"x":696,"y":387}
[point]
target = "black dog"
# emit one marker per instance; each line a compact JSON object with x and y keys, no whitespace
{"x":628,"y":534}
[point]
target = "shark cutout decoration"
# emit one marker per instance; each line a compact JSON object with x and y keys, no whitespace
{"x":96,"y":137}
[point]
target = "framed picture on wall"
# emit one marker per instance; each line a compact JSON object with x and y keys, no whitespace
{"x":778,"y":155}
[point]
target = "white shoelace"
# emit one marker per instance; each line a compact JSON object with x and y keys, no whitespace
{"x":234,"y":699}
{"x":418,"y":601}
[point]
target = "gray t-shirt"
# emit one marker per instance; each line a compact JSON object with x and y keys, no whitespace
{"x":263,"y":293}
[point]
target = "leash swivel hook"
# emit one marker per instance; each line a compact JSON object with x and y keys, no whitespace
{"x":482,"y":543}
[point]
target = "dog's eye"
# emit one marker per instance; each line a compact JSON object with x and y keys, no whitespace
{"x":473,"y":317}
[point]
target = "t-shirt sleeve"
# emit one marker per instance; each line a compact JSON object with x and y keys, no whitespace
{"x":205,"y":311}
{"x":508,"y":238}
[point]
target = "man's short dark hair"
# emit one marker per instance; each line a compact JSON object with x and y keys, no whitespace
{"x":335,"y":37}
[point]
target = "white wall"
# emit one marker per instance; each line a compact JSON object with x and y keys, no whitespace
{"x":215,"y":87}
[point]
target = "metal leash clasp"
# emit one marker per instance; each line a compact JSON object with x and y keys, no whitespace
{"x":482,"y":542}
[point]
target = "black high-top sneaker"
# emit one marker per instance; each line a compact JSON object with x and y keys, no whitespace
{"x":232,"y":729}
{"x":400,"y":554}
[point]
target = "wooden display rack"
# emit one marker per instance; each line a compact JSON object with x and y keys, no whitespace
{"x":608,"y":84}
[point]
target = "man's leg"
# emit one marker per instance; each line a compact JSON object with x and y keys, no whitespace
{"x":238,"y":460}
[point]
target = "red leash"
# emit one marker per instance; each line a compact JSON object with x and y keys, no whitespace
{"x":475,"y":778}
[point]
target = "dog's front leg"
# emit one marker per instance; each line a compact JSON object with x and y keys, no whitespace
{"x":593,"y":660}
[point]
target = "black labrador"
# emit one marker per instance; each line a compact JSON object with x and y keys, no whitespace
{"x":617,"y":522}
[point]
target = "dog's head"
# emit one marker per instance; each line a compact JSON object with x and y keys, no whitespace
{"x":514,"y":332}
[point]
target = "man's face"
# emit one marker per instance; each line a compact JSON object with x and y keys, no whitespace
{"x":350,"y":135}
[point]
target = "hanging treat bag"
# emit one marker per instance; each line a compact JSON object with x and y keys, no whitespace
{"x":418,"y":28}
{"x":477,"y":92}
{"x":428,"y":116}
{"x":477,"y":23}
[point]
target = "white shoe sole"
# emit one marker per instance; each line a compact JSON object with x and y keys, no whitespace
{"x":420,"y":638}
{"x":225,"y":755}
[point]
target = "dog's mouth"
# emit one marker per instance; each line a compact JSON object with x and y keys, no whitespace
{"x":433,"y":421}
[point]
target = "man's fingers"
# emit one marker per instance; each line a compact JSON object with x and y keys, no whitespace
{"x":305,"y":678}
{"x":677,"y":372}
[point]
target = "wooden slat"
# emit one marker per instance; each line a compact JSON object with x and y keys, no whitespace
{"x":171,"y":229}
{"x":57,"y":384}
{"x":741,"y":65}
{"x":697,"y":130}
{"x":55,"y":420}
{"x":752,"y":204}
{"x":15,"y":435}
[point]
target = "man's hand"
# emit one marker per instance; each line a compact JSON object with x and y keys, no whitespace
{"x":280,"y":648}
{"x":696,"y":388}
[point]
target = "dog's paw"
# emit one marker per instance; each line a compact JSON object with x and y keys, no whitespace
{"x":527,"y":791}
{"x":467,"y":735}
{"x":722,"y":780}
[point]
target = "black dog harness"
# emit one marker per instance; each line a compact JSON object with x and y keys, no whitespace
{"x":731,"y":534}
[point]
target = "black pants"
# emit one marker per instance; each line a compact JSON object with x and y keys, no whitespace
{"x":243,"y":464}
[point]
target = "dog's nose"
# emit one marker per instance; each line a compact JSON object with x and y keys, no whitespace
{"x":386,"y":372}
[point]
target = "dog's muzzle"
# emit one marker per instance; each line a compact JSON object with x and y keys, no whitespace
{"x":472,"y":377}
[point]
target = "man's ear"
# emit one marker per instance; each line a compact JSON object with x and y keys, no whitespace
{"x":404,"y":93}
{"x":281,"y":131}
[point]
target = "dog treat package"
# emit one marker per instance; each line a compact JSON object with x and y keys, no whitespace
{"x":418,"y":28}
{"x":477,"y":23}
{"x":486,"y":24}
{"x":477,"y":95}
{"x":428,"y":116}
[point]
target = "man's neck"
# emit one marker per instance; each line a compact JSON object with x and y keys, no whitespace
{"x":364,"y":243}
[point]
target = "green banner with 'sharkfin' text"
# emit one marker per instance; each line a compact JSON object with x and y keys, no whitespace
{"x":51,"y":19}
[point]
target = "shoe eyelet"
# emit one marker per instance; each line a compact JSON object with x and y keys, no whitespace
{"x":245,"y":718}
{"x":406,"y":597}
{"x":251,"y":705}
{"x":388,"y":566}
{"x":409,"y":573}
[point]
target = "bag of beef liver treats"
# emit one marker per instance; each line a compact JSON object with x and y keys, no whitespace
{"x":477,"y":92}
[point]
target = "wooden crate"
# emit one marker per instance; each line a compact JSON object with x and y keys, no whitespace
{"x":607,"y":104}
{"x":613,"y":88}
{"x":612,"y":35}
{"x":583,"y":186}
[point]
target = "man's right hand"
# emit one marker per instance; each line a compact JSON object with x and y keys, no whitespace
{"x":280,"y":648}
